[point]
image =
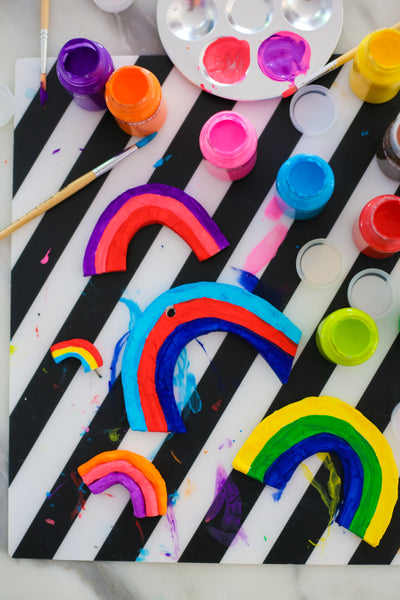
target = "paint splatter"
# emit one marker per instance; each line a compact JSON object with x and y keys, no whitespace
{"x":283,"y":56}
{"x":113,"y":434}
{"x":227,"y":499}
{"x":114,"y":361}
{"x":185,"y":382}
{"x":45,"y":258}
{"x":171,"y":522}
{"x":331,"y":496}
{"x":140,"y":530}
{"x":265,"y":251}
{"x":217,"y":405}
{"x":227,"y":60}
{"x":143,"y":552}
{"x":50,"y":521}
{"x":80,"y":505}
{"x":12,"y":349}
{"x":30,"y":93}
{"x":175,"y":457}
{"x":37,"y":331}
{"x":161,"y":161}
{"x":56,"y":151}
{"x":191,"y":487}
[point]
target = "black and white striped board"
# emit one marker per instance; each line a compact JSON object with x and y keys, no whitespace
{"x":60,"y":416}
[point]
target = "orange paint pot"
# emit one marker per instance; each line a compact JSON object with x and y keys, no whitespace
{"x":134,"y":97}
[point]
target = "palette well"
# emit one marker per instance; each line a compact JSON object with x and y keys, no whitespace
{"x":248,"y":50}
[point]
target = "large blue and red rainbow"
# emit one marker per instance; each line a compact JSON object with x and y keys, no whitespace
{"x":285,"y":438}
{"x":174,"y":319}
{"x":138,"y":475}
{"x":144,"y":205}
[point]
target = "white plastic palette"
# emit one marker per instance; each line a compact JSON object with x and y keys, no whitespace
{"x":194,"y":34}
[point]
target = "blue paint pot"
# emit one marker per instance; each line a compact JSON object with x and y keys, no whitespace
{"x":304,"y":185}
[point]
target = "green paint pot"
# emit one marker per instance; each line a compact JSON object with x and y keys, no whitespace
{"x":347,"y":337}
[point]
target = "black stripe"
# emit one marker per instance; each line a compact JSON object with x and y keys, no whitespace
{"x":36,"y":126}
{"x":58,"y":225}
{"x":40,"y":396}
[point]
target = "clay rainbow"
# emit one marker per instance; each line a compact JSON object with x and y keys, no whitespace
{"x":79,"y":348}
{"x":326,"y":424}
{"x":145,"y":205}
{"x":138,"y":475}
{"x":180,"y":315}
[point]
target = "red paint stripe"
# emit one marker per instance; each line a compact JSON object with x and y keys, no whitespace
{"x":186,"y":312}
{"x":148,"y":209}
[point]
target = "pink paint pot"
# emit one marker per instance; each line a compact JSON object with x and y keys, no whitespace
{"x":376,"y":232}
{"x":228,"y":143}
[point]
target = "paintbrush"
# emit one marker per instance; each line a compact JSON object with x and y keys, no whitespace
{"x":74,"y":186}
{"x":331,"y":66}
{"x":44,"y":34}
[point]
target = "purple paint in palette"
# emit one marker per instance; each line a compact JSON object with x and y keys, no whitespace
{"x":284,"y":55}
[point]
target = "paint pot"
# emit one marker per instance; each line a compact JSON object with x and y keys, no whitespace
{"x":372,"y":291}
{"x":228,"y":143}
{"x":319,"y":263}
{"x":304,"y":185}
{"x":388,"y":153}
{"x":376,"y":232}
{"x":312,"y":110}
{"x":347,"y":336}
{"x":83,"y":68}
{"x":134,"y":97}
{"x":375,"y":76}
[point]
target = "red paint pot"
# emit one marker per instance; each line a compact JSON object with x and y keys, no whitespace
{"x":376,"y":232}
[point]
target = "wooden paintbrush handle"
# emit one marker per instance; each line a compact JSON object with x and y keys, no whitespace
{"x":64,"y":193}
{"x":44,"y":14}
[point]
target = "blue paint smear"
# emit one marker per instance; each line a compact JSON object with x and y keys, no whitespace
{"x":161,"y":161}
{"x":117,"y":351}
{"x":247,"y":280}
{"x":143,"y":552}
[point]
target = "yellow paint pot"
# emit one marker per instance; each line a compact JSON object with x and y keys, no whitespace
{"x":375,"y":76}
{"x":347,"y":336}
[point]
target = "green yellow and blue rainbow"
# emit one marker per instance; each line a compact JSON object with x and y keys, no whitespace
{"x":325,"y":424}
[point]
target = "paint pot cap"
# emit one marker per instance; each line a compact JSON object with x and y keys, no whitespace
{"x":312,"y":109}
{"x":372,"y":291}
{"x":319,"y":263}
{"x":113,"y":6}
{"x":347,"y":336}
{"x":7,"y":104}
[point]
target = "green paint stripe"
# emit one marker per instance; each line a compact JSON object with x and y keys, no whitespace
{"x":305,"y":427}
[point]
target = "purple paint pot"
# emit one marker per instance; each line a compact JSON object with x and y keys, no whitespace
{"x":83,"y":68}
{"x":228,"y":143}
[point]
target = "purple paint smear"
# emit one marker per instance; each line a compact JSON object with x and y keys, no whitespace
{"x":283,"y":56}
{"x":226,"y":495}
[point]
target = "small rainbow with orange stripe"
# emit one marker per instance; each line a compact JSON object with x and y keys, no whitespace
{"x":138,"y":475}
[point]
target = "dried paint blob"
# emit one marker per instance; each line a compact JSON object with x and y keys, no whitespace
{"x":283,"y":56}
{"x":226,"y":60}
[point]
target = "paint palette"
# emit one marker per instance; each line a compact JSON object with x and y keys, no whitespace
{"x":245,"y":50}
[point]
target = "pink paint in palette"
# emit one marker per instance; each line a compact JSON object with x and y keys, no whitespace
{"x":248,"y":50}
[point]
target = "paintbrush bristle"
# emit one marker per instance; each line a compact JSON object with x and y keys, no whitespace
{"x":43,"y":93}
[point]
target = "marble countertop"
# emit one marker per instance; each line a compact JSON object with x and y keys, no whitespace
{"x":134,"y":32}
